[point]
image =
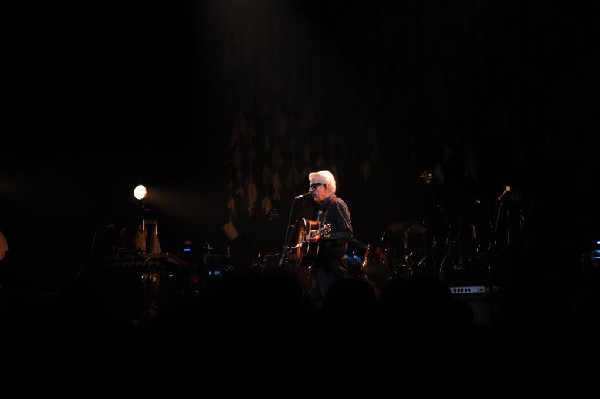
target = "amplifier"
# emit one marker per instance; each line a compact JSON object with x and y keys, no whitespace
{"x":482,"y":299}
{"x":469,"y":289}
{"x":472,"y":289}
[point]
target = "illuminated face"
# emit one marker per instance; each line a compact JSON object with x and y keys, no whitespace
{"x":318,"y":190}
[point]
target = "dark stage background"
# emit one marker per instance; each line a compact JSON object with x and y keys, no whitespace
{"x":222,"y":107}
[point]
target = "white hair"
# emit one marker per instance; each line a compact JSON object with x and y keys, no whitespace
{"x":325,"y":177}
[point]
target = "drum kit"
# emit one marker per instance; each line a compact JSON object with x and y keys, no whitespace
{"x":448,"y":248}
{"x":409,"y":248}
{"x":404,"y":249}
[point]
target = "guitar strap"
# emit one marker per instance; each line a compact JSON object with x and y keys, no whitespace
{"x":323,"y":212}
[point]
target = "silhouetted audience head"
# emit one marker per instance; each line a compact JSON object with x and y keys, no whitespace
{"x":255,"y":303}
{"x":350,"y":296}
{"x":424,"y":303}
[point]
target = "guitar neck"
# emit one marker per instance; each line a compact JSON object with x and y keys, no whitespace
{"x":323,"y":230}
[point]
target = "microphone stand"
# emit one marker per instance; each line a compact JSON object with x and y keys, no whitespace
{"x":288,"y":235}
{"x":493,"y":243}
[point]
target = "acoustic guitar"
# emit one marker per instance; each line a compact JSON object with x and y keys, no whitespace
{"x":306,"y":251}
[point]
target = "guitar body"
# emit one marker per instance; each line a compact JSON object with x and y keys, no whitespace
{"x":306,"y":251}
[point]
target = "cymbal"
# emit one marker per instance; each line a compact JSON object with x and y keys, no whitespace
{"x":417,"y":229}
{"x":407,"y":226}
{"x":400,"y":225}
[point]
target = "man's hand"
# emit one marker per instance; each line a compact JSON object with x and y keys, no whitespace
{"x":313,"y":238}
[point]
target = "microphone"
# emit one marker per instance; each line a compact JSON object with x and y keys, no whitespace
{"x":506,"y":189}
{"x":302,"y":195}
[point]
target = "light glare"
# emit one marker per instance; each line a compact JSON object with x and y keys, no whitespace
{"x":140,"y":192}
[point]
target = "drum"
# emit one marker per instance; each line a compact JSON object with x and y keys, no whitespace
{"x":376,"y":255}
{"x":380,"y":263}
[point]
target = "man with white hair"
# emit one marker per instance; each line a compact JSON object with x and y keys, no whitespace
{"x":333,"y":235}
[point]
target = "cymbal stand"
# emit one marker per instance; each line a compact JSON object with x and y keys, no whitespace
{"x":428,"y":255}
{"x":415,"y":258}
{"x":407,"y":261}
{"x":449,"y":242}
{"x":454,"y":250}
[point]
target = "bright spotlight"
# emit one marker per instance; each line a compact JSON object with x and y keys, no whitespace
{"x":140,"y":192}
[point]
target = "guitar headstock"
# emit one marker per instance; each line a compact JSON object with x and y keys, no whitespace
{"x":325,"y":231}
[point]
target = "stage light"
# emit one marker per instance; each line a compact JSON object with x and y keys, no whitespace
{"x":140,"y":192}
